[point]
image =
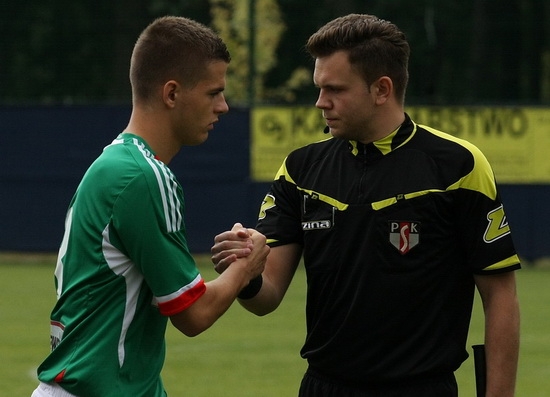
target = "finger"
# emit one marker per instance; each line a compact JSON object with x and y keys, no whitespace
{"x":222,"y":255}
{"x":232,"y":235}
{"x":228,"y":235}
{"x":240,"y":230}
{"x":220,"y":267}
{"x":219,"y":255}
{"x":237,"y":227}
{"x":223,"y":264}
{"x":258,"y":238}
{"x":229,"y":246}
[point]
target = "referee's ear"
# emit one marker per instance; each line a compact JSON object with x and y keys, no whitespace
{"x":382,"y":89}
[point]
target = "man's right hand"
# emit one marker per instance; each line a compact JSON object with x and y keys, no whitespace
{"x":236,"y":243}
{"x":256,"y":257}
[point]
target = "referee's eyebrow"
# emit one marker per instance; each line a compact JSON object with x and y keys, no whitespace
{"x":217,"y":90}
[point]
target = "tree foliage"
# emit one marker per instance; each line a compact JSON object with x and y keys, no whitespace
{"x":253,"y":31}
{"x":463,"y":51}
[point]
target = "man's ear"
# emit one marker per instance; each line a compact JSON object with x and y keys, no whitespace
{"x":383,"y":89}
{"x":170,"y":92}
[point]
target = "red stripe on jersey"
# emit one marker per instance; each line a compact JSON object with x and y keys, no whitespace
{"x":57,"y":324}
{"x":183,"y":301}
{"x":59,"y":377}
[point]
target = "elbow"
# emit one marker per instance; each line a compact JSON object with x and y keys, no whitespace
{"x":190,"y":331}
{"x":259,"y":310}
{"x":265,"y":311}
{"x":190,"y":328}
{"x":260,"y":313}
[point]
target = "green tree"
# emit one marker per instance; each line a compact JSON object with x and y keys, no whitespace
{"x":252,"y":31}
{"x":476,"y":51}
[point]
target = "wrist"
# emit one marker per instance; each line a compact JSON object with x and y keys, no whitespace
{"x":252,"y":289}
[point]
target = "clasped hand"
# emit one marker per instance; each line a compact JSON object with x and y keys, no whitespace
{"x":239,"y":242}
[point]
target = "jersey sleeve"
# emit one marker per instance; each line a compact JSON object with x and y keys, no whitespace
{"x":279,"y":218}
{"x":148,"y":225}
{"x":482,"y":221}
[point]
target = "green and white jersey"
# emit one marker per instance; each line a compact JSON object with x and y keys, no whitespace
{"x":123,"y":267}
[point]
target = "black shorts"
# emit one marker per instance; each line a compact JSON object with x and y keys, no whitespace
{"x":314,"y":385}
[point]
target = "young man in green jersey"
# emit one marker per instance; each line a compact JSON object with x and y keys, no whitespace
{"x":397,"y":223}
{"x":124,"y":266}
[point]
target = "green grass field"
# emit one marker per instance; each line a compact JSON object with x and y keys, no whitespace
{"x":241,"y":355}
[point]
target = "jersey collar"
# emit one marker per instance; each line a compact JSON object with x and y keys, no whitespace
{"x":129,"y":137}
{"x":389,"y":143}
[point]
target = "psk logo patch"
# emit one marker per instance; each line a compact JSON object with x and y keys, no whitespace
{"x":404,"y":235}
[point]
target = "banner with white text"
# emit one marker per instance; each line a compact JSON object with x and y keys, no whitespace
{"x":515,"y":140}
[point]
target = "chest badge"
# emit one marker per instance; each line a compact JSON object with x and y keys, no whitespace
{"x":404,"y":235}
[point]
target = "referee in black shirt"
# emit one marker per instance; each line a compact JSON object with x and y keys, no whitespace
{"x":397,"y":224}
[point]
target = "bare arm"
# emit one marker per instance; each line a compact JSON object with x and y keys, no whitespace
{"x":222,"y":292}
{"x":502,"y":323}
{"x":280,"y":267}
{"x":279,"y":270}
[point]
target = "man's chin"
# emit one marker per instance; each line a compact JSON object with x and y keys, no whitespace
{"x":203,"y":138}
{"x":198,"y":140}
{"x":336,"y":133}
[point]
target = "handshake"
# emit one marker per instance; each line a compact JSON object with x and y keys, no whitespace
{"x":243,"y":248}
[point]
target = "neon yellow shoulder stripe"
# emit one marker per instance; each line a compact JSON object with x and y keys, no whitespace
{"x":483,"y":180}
{"x":329,"y":200}
{"x":326,"y":199}
{"x":514,"y":259}
{"x":283,"y":172}
{"x":378,"y":205}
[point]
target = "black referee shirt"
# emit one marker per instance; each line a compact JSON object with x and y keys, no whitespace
{"x":392,"y":233}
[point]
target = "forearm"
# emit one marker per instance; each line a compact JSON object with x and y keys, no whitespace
{"x":265,"y":301}
{"x":502,"y":348}
{"x":278,"y":273}
{"x":223,"y":290}
{"x":219,"y":296}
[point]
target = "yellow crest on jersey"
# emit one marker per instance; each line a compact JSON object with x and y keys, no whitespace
{"x":498,"y":225}
{"x":269,"y":202}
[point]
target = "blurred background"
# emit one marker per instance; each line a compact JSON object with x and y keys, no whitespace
{"x":463,"y":51}
{"x":65,"y":94}
{"x":479,"y":69}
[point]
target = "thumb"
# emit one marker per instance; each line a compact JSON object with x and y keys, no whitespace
{"x":240,"y":231}
{"x":236,"y":227}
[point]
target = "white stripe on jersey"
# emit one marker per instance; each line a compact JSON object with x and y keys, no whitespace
{"x":167,"y":186}
{"x":181,"y":291}
{"x":121,"y":265}
{"x":175,"y":212}
{"x":62,"y":251}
